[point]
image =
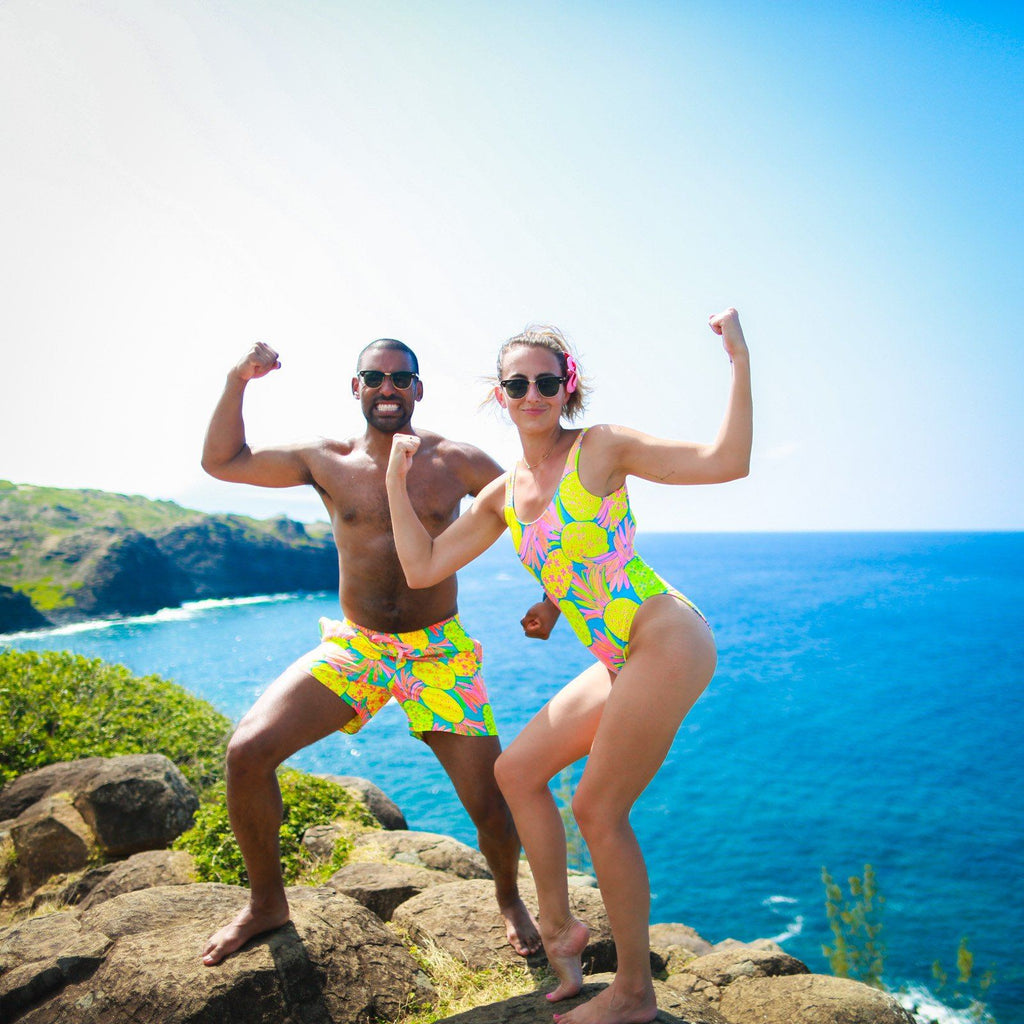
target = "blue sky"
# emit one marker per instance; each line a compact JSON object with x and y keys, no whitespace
{"x":180,"y":179}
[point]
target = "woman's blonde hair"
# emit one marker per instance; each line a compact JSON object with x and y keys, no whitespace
{"x":551,"y":338}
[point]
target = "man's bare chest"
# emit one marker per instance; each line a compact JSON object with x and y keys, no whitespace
{"x":362,"y":505}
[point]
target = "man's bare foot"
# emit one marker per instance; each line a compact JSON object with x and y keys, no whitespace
{"x":521,"y":928}
{"x":614,"y":1007}
{"x":564,"y":949}
{"x":248,"y":923}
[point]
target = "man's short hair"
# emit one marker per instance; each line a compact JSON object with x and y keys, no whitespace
{"x":394,"y":345}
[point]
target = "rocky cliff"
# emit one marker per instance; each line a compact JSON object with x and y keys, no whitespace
{"x":68,"y":555}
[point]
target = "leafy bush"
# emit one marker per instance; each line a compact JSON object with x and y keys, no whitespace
{"x":57,"y":706}
{"x":307,"y":800}
{"x":857,"y":951}
{"x":967,"y":990}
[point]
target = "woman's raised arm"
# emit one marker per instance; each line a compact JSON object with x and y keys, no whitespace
{"x":630,"y":452}
{"x":427,"y":560}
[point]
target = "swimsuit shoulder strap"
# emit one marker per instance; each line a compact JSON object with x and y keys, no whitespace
{"x":572,"y":463}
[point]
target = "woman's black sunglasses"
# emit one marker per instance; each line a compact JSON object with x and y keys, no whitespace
{"x":547,"y":384}
{"x":402,"y":379}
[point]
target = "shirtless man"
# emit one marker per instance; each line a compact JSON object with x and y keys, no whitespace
{"x":394,"y":641}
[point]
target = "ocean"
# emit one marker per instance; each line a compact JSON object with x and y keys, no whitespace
{"x":867,"y":709}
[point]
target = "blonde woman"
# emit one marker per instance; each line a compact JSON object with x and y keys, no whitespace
{"x":567,"y":507}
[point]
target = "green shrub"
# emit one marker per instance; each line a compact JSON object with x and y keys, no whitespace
{"x":308,"y":801}
{"x":57,"y":706}
{"x":857,"y":951}
{"x":966,"y":992}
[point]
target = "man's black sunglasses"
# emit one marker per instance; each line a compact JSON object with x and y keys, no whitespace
{"x":402,"y":379}
{"x":547,"y":384}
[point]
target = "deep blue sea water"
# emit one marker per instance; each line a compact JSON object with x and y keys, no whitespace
{"x":867,"y":709}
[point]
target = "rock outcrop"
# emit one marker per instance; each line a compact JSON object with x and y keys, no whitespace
{"x":462,"y":918}
{"x":60,"y":817}
{"x":424,"y":850}
{"x":376,"y":801}
{"x":533,"y":1007}
{"x":137,"y":958}
{"x":126,"y":947}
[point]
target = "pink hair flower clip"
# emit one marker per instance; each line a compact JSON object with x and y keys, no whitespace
{"x":571,"y":378}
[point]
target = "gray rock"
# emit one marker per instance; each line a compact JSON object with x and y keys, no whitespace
{"x":49,"y":838}
{"x":383,"y":887}
{"x":809,"y":999}
{"x":136,"y":958}
{"x":376,"y":801}
{"x":131,"y":803}
{"x":66,"y":776}
{"x":664,"y":935}
{"x":708,"y":976}
{"x":462,"y":918}
{"x":533,"y":1007}
{"x":140,"y":871}
{"x":427,"y":850}
{"x":135,"y":803}
{"x":320,"y":840}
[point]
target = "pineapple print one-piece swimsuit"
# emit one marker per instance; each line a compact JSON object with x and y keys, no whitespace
{"x":581,"y":551}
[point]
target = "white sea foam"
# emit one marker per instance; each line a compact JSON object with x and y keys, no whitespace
{"x":188,"y":610}
{"x":793,"y":929}
{"x":780,"y":906}
{"x":929,"y":1009}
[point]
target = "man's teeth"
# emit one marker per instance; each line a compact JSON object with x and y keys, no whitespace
{"x":387,"y":407}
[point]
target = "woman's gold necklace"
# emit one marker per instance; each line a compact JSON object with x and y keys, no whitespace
{"x":547,"y":455}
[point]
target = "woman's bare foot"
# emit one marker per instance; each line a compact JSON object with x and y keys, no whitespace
{"x":564,"y":949}
{"x":521,"y":929}
{"x":612,"y":1006}
{"x":248,"y":923}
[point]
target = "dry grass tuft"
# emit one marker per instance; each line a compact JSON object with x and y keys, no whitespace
{"x":459,"y":987}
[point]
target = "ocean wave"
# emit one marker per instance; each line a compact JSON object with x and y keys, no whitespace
{"x":187,"y":610}
{"x":792,"y":930}
{"x":779,"y":905}
{"x":927,"y":1008}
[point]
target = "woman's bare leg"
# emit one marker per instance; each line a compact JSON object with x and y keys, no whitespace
{"x":671,"y":660}
{"x":559,"y":734}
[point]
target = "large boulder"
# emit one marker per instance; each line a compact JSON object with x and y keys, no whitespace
{"x":137,"y":802}
{"x":383,"y":887}
{"x":60,"y":817}
{"x":136,"y":958}
{"x":49,"y":838}
{"x":63,"y":777}
{"x":809,"y":999}
{"x":423,"y":850}
{"x":532,"y":1007}
{"x":374,"y":799}
{"x":463,"y":919}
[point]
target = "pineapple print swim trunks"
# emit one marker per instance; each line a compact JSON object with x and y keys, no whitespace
{"x":433,"y":673}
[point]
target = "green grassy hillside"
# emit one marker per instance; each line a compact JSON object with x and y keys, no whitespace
{"x":83,"y":553}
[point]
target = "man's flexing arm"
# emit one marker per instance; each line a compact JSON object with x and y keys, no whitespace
{"x":226,"y":455}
